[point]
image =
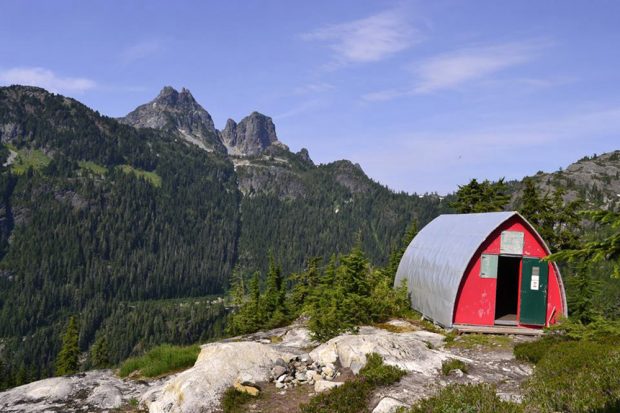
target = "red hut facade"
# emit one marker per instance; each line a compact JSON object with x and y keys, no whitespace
{"x":482,"y":270}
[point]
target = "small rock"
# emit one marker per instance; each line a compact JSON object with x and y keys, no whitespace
{"x":301,"y":376}
{"x":277,"y":371}
{"x":279,"y":385}
{"x":323,"y":385}
{"x":247,"y":387}
{"x":388,"y":405}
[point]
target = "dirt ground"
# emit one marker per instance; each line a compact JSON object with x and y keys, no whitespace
{"x":274,"y":400}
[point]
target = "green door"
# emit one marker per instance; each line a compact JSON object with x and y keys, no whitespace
{"x":534,"y":280}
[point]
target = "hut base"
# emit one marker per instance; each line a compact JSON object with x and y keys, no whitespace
{"x":466,"y":328}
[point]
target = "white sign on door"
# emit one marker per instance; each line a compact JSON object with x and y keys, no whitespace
{"x":535,"y":282}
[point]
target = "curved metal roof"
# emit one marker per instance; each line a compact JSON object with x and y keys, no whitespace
{"x":435,"y":261}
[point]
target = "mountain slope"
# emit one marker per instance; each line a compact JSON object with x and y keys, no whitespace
{"x":98,"y":216}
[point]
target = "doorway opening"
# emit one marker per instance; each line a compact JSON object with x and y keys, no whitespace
{"x":507,"y":294}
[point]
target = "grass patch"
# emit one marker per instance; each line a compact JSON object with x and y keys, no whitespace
{"x":465,"y":398}
{"x":150,"y":177}
{"x":30,"y":158}
{"x":95,"y":168}
{"x":234,"y":401}
{"x":161,"y":360}
{"x":392,"y":328}
{"x":352,"y":397}
{"x":470,"y":341}
{"x":453,"y":364}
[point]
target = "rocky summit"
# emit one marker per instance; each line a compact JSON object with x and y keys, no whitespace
{"x":175,"y":111}
{"x":178,"y":112}
{"x":251,"y":136}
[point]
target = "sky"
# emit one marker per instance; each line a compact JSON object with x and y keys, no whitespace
{"x":424,"y":95}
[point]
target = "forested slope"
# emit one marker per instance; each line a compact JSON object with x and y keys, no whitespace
{"x":98,"y":219}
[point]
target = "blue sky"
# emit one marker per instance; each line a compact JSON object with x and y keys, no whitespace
{"x":423,"y":95}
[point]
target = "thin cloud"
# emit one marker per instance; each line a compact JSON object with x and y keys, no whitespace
{"x":371,"y":39}
{"x":300,"y":109}
{"x":453,"y":69}
{"x":310,"y":88}
{"x":140,"y":51}
{"x":461,"y":67}
{"x":47,"y":79}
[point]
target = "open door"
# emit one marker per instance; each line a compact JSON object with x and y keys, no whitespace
{"x":534,"y":281}
{"x":507,"y":290}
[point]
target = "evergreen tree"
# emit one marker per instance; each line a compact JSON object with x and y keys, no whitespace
{"x":481,"y":197}
{"x":67,"y":361}
{"x":398,"y":252}
{"x":606,"y":249}
{"x":100,"y":352}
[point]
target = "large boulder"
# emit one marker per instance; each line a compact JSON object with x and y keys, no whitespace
{"x":218,"y":366}
{"x":408,"y":351}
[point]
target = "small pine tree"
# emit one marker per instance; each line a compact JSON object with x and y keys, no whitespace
{"x":100,"y":352}
{"x":67,"y":361}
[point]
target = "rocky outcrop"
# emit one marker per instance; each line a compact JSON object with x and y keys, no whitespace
{"x":251,"y":136}
{"x":218,"y":367}
{"x":93,"y":391}
{"x":279,"y":358}
{"x":177,"y":112}
{"x":408,"y":351}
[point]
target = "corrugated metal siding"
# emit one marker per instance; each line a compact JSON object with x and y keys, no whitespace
{"x":435,"y":261}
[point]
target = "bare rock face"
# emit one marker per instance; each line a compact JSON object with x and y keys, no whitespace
{"x":251,"y":136}
{"x":408,"y":351}
{"x":218,"y":367}
{"x":93,"y":391}
{"x":177,"y":112}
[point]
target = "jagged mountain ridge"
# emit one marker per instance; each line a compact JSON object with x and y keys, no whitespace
{"x":178,"y":112}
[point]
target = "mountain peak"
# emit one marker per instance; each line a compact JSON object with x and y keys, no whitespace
{"x":177,"y":111}
{"x":251,"y":136}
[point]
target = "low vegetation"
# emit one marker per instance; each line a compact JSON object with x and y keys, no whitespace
{"x":234,"y":401}
{"x":576,"y":368}
{"x":30,"y":158}
{"x":352,"y":397}
{"x":150,"y":177}
{"x":451,"y":365}
{"x":478,"y":340}
{"x":465,"y":398}
{"x":161,"y":360}
{"x":92,"y":167}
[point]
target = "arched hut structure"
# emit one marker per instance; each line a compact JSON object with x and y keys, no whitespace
{"x":482,"y":271}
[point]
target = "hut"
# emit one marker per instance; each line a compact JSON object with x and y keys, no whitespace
{"x":483,"y":270}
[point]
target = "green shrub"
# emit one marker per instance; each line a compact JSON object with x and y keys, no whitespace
{"x":576,"y":377}
{"x":453,"y":364}
{"x":234,"y":401}
{"x":352,"y":397}
{"x":379,"y":374}
{"x":534,"y":351}
{"x":160,"y":360}
{"x":465,"y":398}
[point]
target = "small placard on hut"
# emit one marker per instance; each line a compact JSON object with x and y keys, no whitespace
{"x":511,"y":243}
{"x":488,"y":266}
